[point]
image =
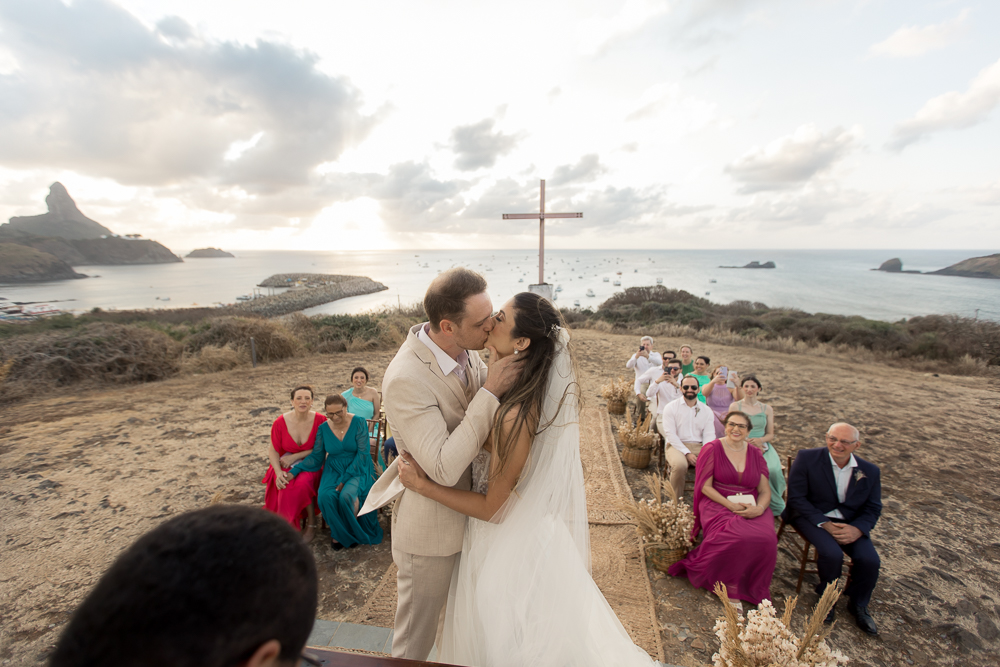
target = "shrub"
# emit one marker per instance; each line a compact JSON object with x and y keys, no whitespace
{"x":212,"y":359}
{"x":272,"y":339}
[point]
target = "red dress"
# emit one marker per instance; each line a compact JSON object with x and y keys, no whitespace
{"x":291,"y":501}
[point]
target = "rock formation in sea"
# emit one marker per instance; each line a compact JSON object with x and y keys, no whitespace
{"x":209,"y":252}
{"x":753,"y":265}
{"x":19,"y":264}
{"x":894,"y":265}
{"x":72,"y":237}
{"x":975,"y":267}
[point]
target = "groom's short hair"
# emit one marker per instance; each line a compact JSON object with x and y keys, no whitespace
{"x":208,"y":587}
{"x":445,"y":298}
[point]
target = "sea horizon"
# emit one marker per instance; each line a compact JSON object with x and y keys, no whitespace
{"x":836,"y":281}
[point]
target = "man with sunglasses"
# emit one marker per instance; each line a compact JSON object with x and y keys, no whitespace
{"x":834,"y":501}
{"x":687,"y":425}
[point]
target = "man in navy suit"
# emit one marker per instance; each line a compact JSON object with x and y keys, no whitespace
{"x":834,"y":501}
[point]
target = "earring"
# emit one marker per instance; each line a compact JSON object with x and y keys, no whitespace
{"x":516,"y":351}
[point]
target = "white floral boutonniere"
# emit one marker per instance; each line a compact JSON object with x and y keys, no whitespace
{"x":858,"y":476}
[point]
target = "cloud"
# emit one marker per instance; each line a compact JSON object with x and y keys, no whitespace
{"x":413,"y":200}
{"x":812,"y":206}
{"x":478,"y":146}
{"x":793,"y":160}
{"x":911,"y":41}
{"x":587,"y":169}
{"x":100,"y":93}
{"x":951,"y":111}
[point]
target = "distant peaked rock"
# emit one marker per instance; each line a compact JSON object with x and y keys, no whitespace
{"x":894,"y":265}
{"x":64,"y":220}
{"x":209,"y":252}
{"x":976,"y":267}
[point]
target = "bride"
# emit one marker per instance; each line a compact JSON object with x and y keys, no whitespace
{"x":522,"y":593}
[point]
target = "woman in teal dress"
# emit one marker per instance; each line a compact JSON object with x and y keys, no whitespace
{"x":361,"y":399}
{"x":762,"y":420}
{"x":342,"y":452}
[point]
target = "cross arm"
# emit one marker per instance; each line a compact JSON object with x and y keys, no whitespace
{"x":536,"y":216}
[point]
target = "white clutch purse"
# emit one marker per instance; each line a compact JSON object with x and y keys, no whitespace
{"x":741,"y":498}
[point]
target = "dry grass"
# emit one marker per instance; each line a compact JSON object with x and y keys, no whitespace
{"x":639,"y":436}
{"x":272,"y":339}
{"x":619,"y":390}
{"x":212,"y":359}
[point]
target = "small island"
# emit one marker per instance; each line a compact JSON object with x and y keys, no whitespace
{"x":894,"y":265}
{"x":753,"y":265}
{"x":976,"y":267}
{"x":209,"y":253}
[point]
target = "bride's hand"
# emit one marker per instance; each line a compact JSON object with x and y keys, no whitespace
{"x":410,"y":473}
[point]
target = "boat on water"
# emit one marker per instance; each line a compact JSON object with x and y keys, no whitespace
{"x":590,"y":292}
{"x":606,"y":279}
{"x":40,"y":310}
{"x":559,"y":288}
{"x":659,"y":281}
{"x":576,"y":303}
{"x":712,"y":280}
{"x":520,"y":280}
{"x":618,"y":273}
{"x":244,"y":297}
{"x":617,"y":283}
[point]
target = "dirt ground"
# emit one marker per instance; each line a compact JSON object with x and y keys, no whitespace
{"x":84,"y":473}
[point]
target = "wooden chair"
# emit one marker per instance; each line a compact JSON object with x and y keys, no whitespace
{"x":376,"y":435}
{"x":808,"y":556}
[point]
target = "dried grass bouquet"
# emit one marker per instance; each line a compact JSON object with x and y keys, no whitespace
{"x":764,"y":640}
{"x":619,"y":390}
{"x":666,"y":525}
{"x":640,"y":436}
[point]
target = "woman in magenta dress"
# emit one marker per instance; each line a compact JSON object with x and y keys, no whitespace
{"x":292,"y":438}
{"x":719,"y":395}
{"x":739,"y":546}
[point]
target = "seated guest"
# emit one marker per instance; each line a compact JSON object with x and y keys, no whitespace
{"x":342,"y":454}
{"x":687,"y":360}
{"x":834,"y":501}
{"x":761,"y":435}
{"x":389,"y":450}
{"x":719,"y":395}
{"x":364,"y":401}
{"x":224,"y":585}
{"x":687,"y":425}
{"x":739,"y":546}
{"x":641,"y":362}
{"x":664,"y":388}
{"x":668,"y":355}
{"x":700,"y":373}
{"x":292,"y":437}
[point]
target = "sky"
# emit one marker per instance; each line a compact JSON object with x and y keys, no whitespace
{"x":307,"y":125}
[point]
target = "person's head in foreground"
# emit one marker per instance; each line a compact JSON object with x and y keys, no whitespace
{"x":223,"y":586}
{"x":458,"y":306}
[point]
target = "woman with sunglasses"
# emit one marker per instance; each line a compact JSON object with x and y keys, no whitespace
{"x":731,"y":507}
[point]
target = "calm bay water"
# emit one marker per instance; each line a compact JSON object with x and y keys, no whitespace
{"x":829,"y":281}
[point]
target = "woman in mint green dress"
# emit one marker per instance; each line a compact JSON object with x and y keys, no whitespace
{"x":762,"y":421}
{"x":364,"y":401}
{"x":342,"y":452}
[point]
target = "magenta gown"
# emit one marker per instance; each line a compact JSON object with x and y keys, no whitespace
{"x":291,"y":502}
{"x":739,"y":552}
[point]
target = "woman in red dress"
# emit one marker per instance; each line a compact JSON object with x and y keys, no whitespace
{"x":292,"y":438}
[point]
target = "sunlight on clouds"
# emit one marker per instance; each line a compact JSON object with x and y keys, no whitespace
{"x":238,"y":148}
{"x":911,"y":41}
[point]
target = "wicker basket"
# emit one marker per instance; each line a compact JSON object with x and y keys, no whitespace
{"x":636,"y":458}
{"x":662,"y":557}
{"x":616,"y":407}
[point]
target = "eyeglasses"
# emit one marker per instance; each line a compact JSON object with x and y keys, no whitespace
{"x":685,"y":387}
{"x":674,"y":369}
{"x":310,"y":659}
{"x":845,"y":443}
{"x":742,"y":427}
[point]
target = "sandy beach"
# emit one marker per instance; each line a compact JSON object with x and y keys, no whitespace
{"x":85,"y":472}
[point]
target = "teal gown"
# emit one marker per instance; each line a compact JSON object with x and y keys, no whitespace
{"x":346,"y":462}
{"x":366,"y":409}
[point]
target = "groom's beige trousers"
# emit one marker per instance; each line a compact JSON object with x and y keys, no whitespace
{"x":422,"y":588}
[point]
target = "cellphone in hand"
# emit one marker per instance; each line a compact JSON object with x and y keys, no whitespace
{"x":724,"y":372}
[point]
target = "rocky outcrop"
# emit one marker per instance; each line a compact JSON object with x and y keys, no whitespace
{"x":337,"y":287}
{"x":976,"y":267}
{"x":753,"y":265}
{"x":209,"y":253}
{"x":19,"y":264}
{"x":63,"y":220}
{"x":894,"y":265}
{"x":69,"y":235}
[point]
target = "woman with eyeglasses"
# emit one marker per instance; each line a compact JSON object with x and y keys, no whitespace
{"x":731,"y":508}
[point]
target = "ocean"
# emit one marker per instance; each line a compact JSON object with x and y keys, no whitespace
{"x":828,"y":281}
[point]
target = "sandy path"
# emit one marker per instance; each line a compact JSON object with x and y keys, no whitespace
{"x":83,"y":474}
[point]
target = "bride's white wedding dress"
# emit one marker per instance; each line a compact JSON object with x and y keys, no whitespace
{"x":523,"y":592}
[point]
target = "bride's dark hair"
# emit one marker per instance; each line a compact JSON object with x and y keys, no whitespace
{"x":536,"y":319}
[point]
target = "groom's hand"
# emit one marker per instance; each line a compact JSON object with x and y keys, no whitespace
{"x":500,"y":373}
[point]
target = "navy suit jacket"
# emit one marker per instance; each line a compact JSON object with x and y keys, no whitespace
{"x":812,"y":491}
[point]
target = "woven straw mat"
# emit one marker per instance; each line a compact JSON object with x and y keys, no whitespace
{"x":618,"y":565}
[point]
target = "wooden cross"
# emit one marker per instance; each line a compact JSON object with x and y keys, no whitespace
{"x":541,"y":215}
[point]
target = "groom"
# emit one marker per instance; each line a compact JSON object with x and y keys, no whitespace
{"x":440,"y":400}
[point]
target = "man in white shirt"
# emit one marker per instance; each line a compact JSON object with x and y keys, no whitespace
{"x":641,"y":362}
{"x":664,"y":387}
{"x":687,"y":425}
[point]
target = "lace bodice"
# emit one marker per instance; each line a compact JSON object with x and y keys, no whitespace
{"x":481,"y":472}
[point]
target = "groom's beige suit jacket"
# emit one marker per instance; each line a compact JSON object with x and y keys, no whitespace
{"x":442,"y":422}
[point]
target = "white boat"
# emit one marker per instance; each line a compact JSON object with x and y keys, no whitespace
{"x":659,"y":281}
{"x":559,"y":288}
{"x":606,"y":279}
{"x":708,"y":293}
{"x":40,"y":310}
{"x":590,"y":292}
{"x":617,"y":283}
{"x":244,"y":297}
{"x":577,"y":303}
{"x":520,"y":280}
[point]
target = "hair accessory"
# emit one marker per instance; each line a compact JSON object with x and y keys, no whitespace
{"x":554,"y":330}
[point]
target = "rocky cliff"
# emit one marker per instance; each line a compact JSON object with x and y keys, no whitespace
{"x":72,"y":237}
{"x":19,"y":264}
{"x":976,"y":267}
{"x":894,"y":265}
